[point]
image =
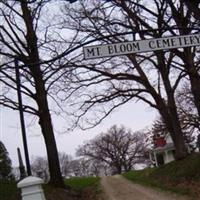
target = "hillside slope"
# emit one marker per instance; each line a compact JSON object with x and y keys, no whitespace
{"x":179,"y":176}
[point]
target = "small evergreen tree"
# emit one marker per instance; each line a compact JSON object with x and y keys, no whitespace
{"x":5,"y":163}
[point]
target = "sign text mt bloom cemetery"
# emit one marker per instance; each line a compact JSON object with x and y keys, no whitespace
{"x":139,"y":46}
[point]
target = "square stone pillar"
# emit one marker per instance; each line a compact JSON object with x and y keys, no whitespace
{"x":31,"y":188}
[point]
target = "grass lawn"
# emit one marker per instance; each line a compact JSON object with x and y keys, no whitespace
{"x":179,"y":176}
{"x":80,"y":183}
{"x":87,"y":187}
{"x":84,"y":188}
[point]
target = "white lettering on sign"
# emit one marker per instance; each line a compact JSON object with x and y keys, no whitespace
{"x":139,"y":46}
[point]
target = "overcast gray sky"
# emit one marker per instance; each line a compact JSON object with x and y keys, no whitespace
{"x":136,"y":116}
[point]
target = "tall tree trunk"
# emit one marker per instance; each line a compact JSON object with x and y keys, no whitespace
{"x":176,"y":132}
{"x":173,"y":126}
{"x":170,"y":115}
{"x":167,"y":110}
{"x":47,"y":130}
{"x":41,"y":98}
{"x":187,"y":56}
{"x":193,"y":76}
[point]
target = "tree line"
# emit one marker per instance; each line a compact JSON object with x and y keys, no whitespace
{"x":117,"y":150}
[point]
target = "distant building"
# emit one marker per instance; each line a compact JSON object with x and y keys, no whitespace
{"x":163,"y":151}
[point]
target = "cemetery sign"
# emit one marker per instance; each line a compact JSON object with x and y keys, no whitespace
{"x":139,"y":46}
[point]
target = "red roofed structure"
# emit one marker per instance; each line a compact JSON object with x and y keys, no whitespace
{"x":163,"y":151}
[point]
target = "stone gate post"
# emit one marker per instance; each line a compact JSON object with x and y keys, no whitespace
{"x":31,"y":188}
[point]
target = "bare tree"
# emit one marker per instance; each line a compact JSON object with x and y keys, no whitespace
{"x":83,"y":166}
{"x":118,"y":147}
{"x":189,"y":56}
{"x":80,"y":167}
{"x":29,"y":34}
{"x":106,"y":84}
{"x":188,"y":115}
{"x":76,"y":167}
{"x":99,"y":168}
{"x":40,"y":168}
{"x":65,"y":163}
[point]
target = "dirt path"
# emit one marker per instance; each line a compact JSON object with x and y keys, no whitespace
{"x":118,"y":188}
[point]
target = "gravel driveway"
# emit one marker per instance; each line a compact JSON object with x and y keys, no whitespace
{"x":118,"y":188}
